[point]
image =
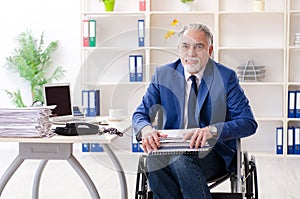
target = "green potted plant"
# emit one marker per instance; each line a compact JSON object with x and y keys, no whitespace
{"x":109,"y":5}
{"x":185,"y":1}
{"x":188,"y":4}
{"x":32,"y":62}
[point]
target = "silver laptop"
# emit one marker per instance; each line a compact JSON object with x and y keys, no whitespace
{"x":59,"y":95}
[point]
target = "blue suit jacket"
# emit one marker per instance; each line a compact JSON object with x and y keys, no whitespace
{"x":221,"y":102}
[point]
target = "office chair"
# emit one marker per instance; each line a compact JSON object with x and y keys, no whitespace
{"x":243,"y":182}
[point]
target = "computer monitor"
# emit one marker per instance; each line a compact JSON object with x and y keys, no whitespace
{"x":59,"y":95}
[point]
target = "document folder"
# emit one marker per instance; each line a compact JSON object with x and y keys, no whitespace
{"x":85,"y":33}
{"x":94,"y":103}
{"x":141,"y":32}
{"x":291,"y":104}
{"x":136,"y":147}
{"x":132,"y":76}
{"x":290,"y":144}
{"x":297,"y":104}
{"x":279,"y":140}
{"x":139,"y":68}
{"x":297,"y":140}
{"x":92,"y":33}
{"x":85,"y":102}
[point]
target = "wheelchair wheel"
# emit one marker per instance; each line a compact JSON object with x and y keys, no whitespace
{"x":254,"y":172}
{"x":250,"y":177}
{"x":142,"y":189}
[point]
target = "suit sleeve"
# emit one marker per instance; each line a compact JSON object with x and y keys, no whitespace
{"x":146,"y":111}
{"x":240,"y":120}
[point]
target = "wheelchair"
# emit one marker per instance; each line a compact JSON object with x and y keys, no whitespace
{"x":243,"y":182}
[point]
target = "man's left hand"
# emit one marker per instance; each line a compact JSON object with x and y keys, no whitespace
{"x":198,"y":137}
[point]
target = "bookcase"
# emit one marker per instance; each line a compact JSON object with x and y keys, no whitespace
{"x":241,"y":34}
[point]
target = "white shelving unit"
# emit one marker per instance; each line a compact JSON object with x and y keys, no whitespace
{"x":240,"y":33}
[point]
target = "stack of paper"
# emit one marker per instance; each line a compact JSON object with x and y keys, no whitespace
{"x":25,"y":122}
{"x":174,"y":143}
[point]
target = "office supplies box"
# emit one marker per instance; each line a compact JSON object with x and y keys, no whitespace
{"x":290,"y":143}
{"x":279,"y":140}
{"x":136,"y":146}
{"x":297,"y":104}
{"x":291,"y":103}
{"x":297,"y":140}
{"x":91,"y":101}
{"x":141,"y":32}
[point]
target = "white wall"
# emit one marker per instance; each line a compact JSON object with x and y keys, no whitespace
{"x":59,"y":19}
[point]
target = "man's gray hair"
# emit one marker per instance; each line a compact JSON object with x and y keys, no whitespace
{"x":200,"y":27}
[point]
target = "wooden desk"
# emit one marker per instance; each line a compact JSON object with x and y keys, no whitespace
{"x":61,"y":148}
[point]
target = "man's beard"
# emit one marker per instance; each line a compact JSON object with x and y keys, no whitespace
{"x":192,"y":64}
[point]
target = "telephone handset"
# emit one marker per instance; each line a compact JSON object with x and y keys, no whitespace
{"x":77,"y":128}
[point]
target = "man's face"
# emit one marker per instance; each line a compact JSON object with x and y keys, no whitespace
{"x":194,"y":51}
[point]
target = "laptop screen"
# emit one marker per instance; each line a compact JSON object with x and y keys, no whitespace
{"x":59,"y":95}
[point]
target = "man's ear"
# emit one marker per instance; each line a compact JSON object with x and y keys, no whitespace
{"x":210,"y":50}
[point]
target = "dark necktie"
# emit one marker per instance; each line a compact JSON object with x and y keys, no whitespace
{"x":192,"y":120}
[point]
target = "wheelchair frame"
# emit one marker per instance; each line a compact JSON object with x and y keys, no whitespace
{"x":243,"y":182}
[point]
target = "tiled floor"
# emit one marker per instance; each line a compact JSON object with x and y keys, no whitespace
{"x":279,"y":177}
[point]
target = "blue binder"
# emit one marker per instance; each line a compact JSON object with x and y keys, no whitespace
{"x":94,"y":102}
{"x":85,"y":147}
{"x":91,"y":101}
{"x":136,"y":145}
{"x":291,"y":104}
{"x":139,"y":68}
{"x":97,"y":102}
{"x":297,"y":104}
{"x":279,"y":140}
{"x":297,"y":140}
{"x":290,"y":143}
{"x":132,"y":68}
{"x":96,"y":147}
{"x":85,"y":102}
{"x":141,"y":32}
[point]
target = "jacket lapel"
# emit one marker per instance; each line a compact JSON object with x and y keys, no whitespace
{"x":179,"y":92}
{"x":205,"y":84}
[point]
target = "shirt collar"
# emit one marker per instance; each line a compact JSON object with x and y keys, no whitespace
{"x":198,"y":75}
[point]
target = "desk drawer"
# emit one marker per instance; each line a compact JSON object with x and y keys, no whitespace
{"x":45,"y":150}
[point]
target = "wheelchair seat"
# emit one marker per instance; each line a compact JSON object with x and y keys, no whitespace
{"x":243,"y":182}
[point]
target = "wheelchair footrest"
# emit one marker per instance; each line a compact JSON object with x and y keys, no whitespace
{"x":227,"y":195}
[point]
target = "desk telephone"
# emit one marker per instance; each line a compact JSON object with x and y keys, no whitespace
{"x":83,"y":128}
{"x":77,"y":128}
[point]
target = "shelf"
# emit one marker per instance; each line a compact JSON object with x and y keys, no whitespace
{"x":241,"y":34}
{"x":250,"y":13}
{"x":260,"y":83}
{"x":113,"y":84}
{"x":263,"y":48}
{"x":168,"y":13}
{"x":115,"y":13}
{"x":262,"y":119}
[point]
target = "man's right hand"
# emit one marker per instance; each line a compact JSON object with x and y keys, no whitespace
{"x":150,"y":139}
